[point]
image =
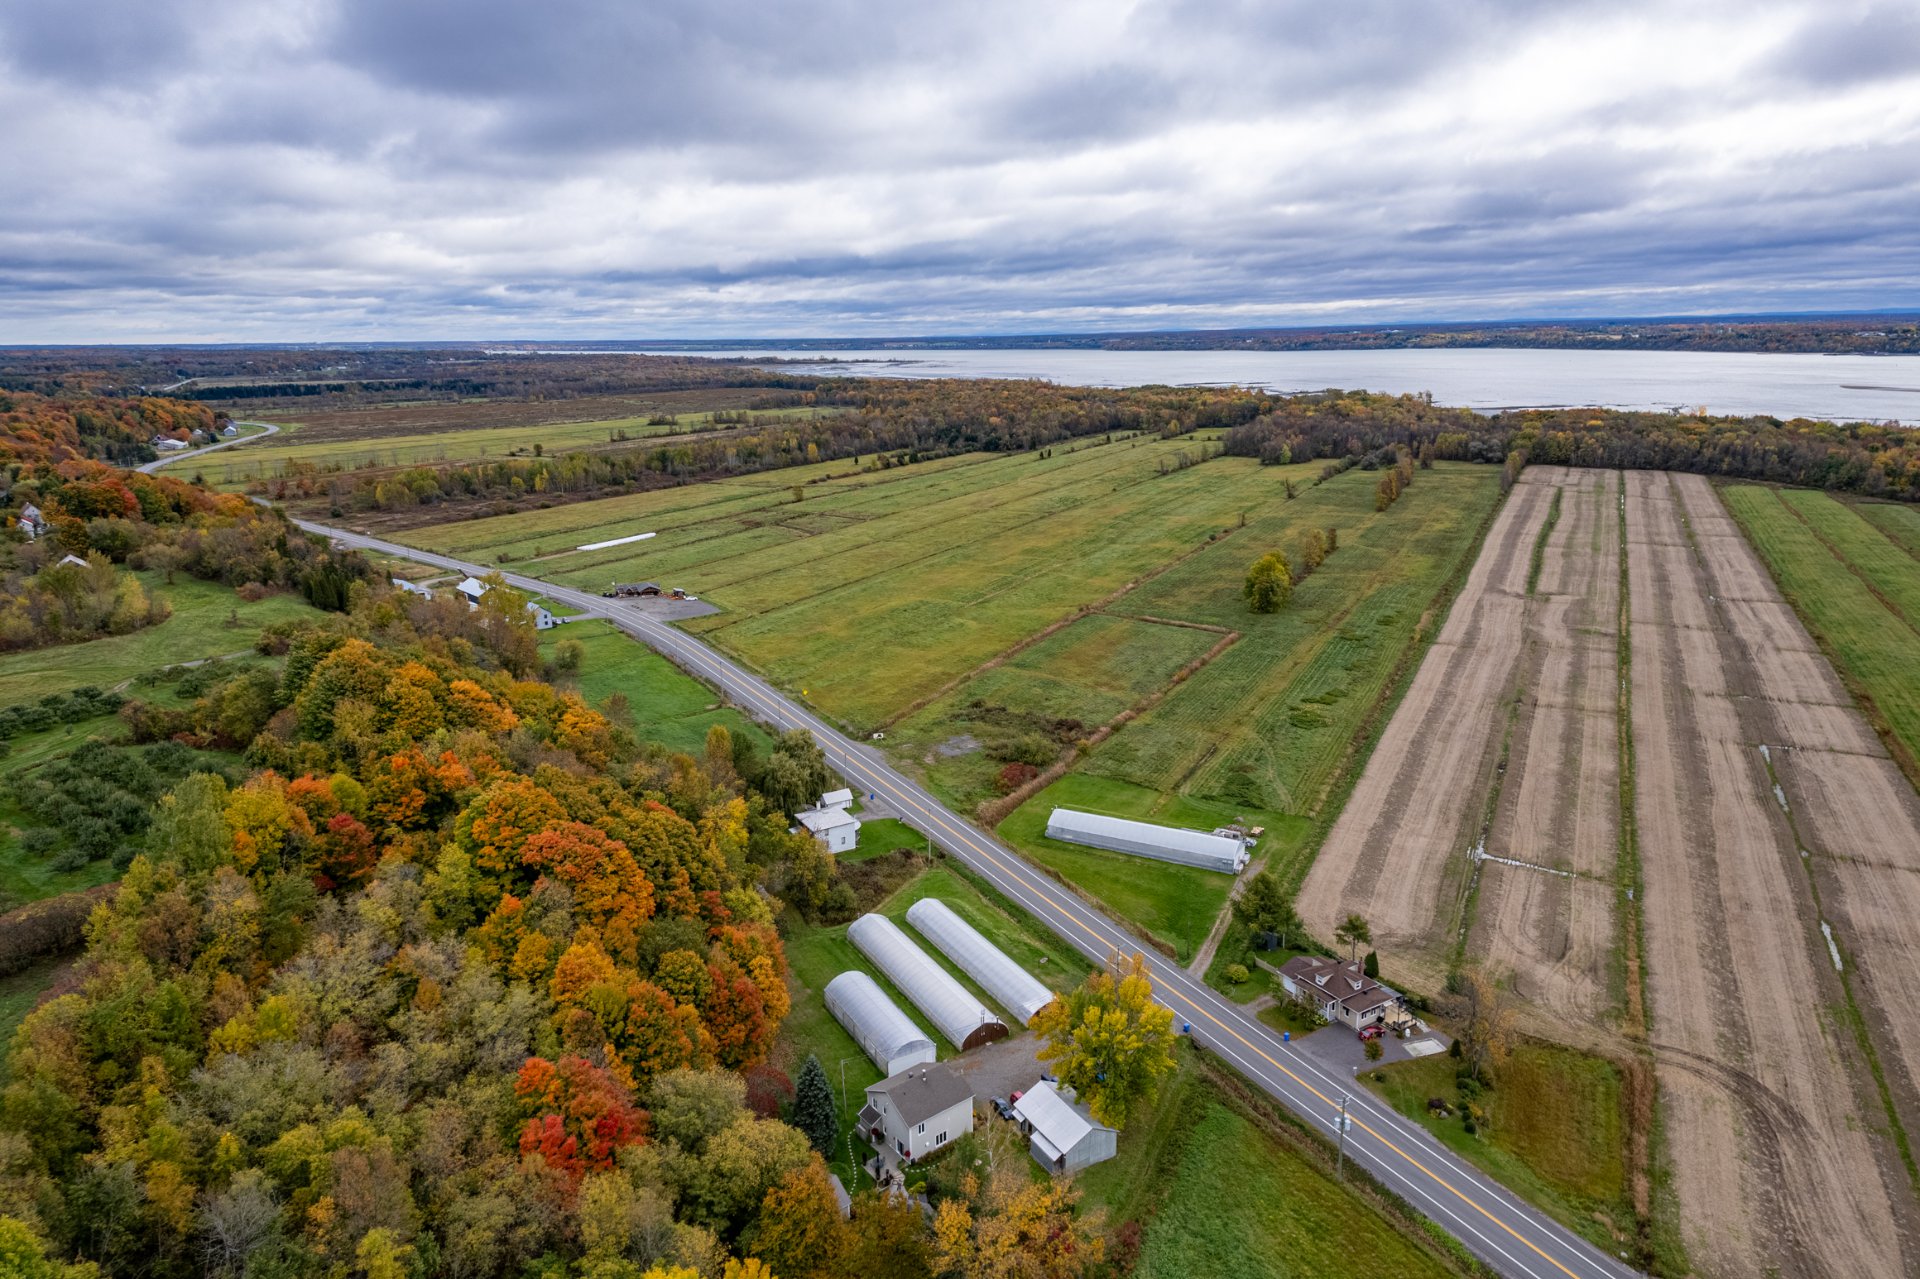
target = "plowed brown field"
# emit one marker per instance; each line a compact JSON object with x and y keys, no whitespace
{"x":1775,"y":1128}
{"x":1776,"y":1132}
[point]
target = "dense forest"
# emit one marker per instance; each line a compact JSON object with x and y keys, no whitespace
{"x":456,"y":976}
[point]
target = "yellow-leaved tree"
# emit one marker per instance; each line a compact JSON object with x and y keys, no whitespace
{"x":1108,"y":1040}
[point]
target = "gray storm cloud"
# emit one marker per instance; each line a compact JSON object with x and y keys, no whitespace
{"x":231,"y":169}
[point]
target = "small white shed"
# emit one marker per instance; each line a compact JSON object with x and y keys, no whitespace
{"x":1062,"y":1136}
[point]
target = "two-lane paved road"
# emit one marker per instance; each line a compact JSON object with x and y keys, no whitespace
{"x":1509,"y":1235}
{"x":168,"y":459}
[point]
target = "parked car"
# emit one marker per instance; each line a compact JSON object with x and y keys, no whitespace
{"x":1371,"y":1032}
{"x":1003,"y":1108}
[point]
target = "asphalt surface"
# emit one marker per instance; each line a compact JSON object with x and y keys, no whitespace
{"x":1508,"y":1234}
{"x":168,"y":459}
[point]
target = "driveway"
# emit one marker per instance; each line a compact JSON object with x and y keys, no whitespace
{"x":1337,"y":1048}
{"x":998,"y":1070}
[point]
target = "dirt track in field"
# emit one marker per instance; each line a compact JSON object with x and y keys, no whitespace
{"x":1775,"y":1130}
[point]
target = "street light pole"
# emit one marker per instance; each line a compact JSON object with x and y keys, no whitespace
{"x":1340,"y":1165}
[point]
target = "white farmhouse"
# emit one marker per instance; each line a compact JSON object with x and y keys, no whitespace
{"x":471,"y":589}
{"x":1062,"y":1136}
{"x":914,"y":1113}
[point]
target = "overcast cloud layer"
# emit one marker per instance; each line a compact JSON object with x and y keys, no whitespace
{"x":369,"y":169}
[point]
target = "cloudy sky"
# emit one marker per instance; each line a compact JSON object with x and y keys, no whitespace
{"x":366,"y":169}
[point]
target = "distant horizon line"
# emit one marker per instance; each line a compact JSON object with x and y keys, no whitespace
{"x":983,"y":336}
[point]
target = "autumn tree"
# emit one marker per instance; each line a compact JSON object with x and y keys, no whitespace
{"x":1269,"y":583}
{"x":1108,"y":1040}
{"x":799,"y":1232}
{"x":1014,"y":1226}
{"x":1487,"y":1023}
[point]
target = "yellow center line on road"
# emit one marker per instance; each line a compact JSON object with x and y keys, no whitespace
{"x":933,"y":817}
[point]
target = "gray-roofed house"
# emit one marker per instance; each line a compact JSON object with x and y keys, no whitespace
{"x":836,"y":828}
{"x":914,"y":1113}
{"x":1062,"y":1136}
{"x":1340,"y":990}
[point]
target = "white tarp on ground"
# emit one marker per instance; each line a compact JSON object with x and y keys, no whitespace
{"x":1423,"y":1047}
{"x":617,"y":541}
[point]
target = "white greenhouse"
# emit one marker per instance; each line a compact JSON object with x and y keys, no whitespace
{"x":1018,"y":991}
{"x":952,"y":1009}
{"x":1144,"y":839}
{"x":876,"y":1023}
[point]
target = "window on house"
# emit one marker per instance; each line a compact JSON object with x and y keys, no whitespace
{"x":921,"y":1128}
{"x":941,"y":1140}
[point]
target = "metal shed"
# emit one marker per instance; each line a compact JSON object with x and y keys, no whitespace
{"x":955,"y":1012}
{"x":876,"y":1023}
{"x":1018,"y":991}
{"x":1144,"y":839}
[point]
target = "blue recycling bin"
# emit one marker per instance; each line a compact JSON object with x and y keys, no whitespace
{"x":1286,"y":1036}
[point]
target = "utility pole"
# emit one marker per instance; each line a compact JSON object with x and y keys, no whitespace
{"x":1340,"y":1166}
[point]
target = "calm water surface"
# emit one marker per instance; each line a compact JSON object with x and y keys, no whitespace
{"x":1843,"y":388}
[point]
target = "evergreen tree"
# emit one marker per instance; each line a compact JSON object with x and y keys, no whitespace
{"x":814,"y":1111}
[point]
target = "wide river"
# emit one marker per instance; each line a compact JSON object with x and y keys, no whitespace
{"x":1844,"y":388}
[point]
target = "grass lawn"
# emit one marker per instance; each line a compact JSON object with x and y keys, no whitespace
{"x":198,"y":628}
{"x":880,"y":835}
{"x":669,"y":706}
{"x":818,"y":955}
{"x":1177,"y":904}
{"x":1554,"y":1131}
{"x":1863,"y":604}
{"x":1220,"y":1195}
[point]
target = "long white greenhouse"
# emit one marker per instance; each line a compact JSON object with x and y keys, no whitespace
{"x":956,"y":1013}
{"x":1018,"y":990}
{"x":876,"y":1023}
{"x":1144,"y":839}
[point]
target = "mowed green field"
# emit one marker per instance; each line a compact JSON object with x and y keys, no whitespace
{"x":1856,"y":587}
{"x":208,"y":620}
{"x":1221,"y":1196}
{"x":879,"y":587}
{"x":668,"y":705}
{"x":269,"y":459}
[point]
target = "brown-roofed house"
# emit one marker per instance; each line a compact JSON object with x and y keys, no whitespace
{"x":1339,"y":990}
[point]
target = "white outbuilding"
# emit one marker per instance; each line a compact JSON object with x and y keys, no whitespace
{"x":836,"y":829}
{"x":1062,"y":1136}
{"x":1144,"y":839}
{"x":954,"y":1010}
{"x":471,"y":589}
{"x":1019,"y":991}
{"x":887,"y":1035}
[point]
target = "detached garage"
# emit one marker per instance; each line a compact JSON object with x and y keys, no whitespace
{"x":1062,"y":1137}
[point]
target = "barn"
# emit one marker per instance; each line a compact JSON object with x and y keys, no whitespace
{"x":1220,"y":852}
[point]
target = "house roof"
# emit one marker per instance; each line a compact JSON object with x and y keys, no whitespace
{"x":1061,"y":1124}
{"x":918,"y":1093}
{"x":471,"y":586}
{"x":841,"y":798}
{"x":1344,"y":981}
{"x":821,"y":820}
